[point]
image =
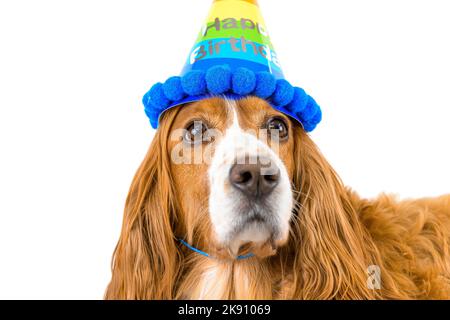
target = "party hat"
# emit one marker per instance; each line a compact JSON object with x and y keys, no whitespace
{"x":233,"y":57}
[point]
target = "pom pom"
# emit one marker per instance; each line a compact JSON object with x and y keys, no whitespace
{"x":172,"y":89}
{"x":153,"y":115}
{"x":317,"y":117}
{"x":243,"y":81}
{"x":218,"y":79}
{"x":194,"y":83}
{"x":155,"y":98}
{"x":146,"y":99}
{"x":310,"y":111}
{"x":283,"y":94}
{"x":315,"y":120}
{"x":265,"y":84}
{"x":299,"y":101}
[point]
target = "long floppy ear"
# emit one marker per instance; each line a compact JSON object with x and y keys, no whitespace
{"x":146,"y":260}
{"x":332,"y":248}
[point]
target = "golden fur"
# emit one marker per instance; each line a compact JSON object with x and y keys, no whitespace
{"x":335,"y":235}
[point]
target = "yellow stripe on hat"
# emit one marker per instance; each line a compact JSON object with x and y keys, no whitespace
{"x":250,"y":1}
{"x":237,"y":9}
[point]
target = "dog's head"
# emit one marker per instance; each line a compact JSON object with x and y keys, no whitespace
{"x":232,"y":178}
{"x":232,"y":164}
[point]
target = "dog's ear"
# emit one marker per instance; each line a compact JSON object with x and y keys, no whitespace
{"x":332,"y":249}
{"x":146,"y":259}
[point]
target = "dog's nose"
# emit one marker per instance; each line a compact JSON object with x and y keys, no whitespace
{"x":250,"y":179}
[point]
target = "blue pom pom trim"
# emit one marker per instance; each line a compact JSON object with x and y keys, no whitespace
{"x":221,"y":80}
{"x":243,"y":81}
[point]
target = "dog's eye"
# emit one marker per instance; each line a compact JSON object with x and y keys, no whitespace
{"x":196,"y":132}
{"x":277,"y":126}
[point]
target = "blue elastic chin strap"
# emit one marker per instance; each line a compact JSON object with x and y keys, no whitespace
{"x":209,"y":256}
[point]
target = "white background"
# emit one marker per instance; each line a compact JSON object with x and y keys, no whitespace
{"x":73,"y":130}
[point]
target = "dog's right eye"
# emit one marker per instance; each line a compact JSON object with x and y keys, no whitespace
{"x":196,"y":132}
{"x":278,"y":126}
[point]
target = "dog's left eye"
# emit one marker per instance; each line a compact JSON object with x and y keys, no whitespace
{"x":277,"y":126}
{"x":196,"y":132}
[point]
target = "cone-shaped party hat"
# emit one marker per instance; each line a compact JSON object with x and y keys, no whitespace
{"x":235,"y":35}
{"x":233,"y":56}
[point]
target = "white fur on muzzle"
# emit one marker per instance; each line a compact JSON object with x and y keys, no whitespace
{"x":236,"y":219}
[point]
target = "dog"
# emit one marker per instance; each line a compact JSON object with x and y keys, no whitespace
{"x":291,"y":232}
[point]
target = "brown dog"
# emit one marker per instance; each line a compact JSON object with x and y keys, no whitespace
{"x":310,"y":236}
